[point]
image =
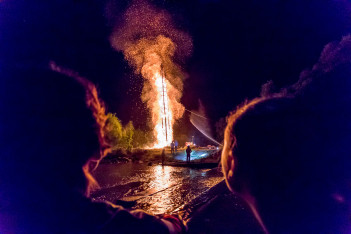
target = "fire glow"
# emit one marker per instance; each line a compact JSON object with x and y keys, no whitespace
{"x":151,"y":45}
{"x":164,"y":121}
{"x":163,"y":84}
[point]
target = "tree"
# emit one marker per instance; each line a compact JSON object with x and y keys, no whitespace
{"x":142,"y":138}
{"x":127,"y":138}
{"x":113,"y":130}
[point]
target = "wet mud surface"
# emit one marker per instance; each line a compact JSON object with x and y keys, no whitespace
{"x":155,"y":189}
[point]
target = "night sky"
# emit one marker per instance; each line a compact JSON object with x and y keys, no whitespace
{"x":237,"y":46}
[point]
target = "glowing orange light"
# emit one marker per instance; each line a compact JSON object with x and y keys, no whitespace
{"x":163,"y":126}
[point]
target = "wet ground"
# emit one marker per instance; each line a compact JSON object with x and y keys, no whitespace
{"x":199,"y":195}
{"x":156,"y":189}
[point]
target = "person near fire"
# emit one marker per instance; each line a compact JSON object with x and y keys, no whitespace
{"x":176,"y":146}
{"x":172,"y":147}
{"x":163,"y":155}
{"x":188,"y":152}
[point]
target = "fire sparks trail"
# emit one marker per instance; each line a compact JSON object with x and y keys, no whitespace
{"x":150,"y":44}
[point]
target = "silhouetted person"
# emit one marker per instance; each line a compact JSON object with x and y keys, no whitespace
{"x":48,"y":134}
{"x":176,"y":145}
{"x":289,"y":158}
{"x":172,"y":147}
{"x":188,"y":152}
{"x":163,"y":155}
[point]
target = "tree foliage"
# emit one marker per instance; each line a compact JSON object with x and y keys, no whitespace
{"x":125,"y":137}
{"x":113,"y":130}
{"x":142,"y":138}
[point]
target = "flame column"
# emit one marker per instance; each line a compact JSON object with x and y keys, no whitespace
{"x":163,"y":127}
{"x":164,"y":91}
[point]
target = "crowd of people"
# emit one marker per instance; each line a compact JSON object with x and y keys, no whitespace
{"x":174,"y":147}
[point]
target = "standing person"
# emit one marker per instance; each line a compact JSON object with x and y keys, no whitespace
{"x":163,"y":154}
{"x":188,"y":152}
{"x":176,"y":145}
{"x":172,"y":147}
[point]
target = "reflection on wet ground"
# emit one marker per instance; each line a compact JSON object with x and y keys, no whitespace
{"x":156,"y":189}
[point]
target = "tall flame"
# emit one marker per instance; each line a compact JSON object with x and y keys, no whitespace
{"x":150,"y":44}
{"x":164,"y":122}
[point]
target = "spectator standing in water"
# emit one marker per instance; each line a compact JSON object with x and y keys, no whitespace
{"x":163,"y":155}
{"x":188,"y":152}
{"x":176,"y":145}
{"x":172,"y":147}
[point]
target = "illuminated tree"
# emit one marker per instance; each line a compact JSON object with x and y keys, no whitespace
{"x":113,"y":130}
{"x":142,"y":138}
{"x":127,"y":138}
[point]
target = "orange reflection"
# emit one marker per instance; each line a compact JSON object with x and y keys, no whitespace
{"x":162,"y":183}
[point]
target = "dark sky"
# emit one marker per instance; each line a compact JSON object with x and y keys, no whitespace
{"x":237,"y":45}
